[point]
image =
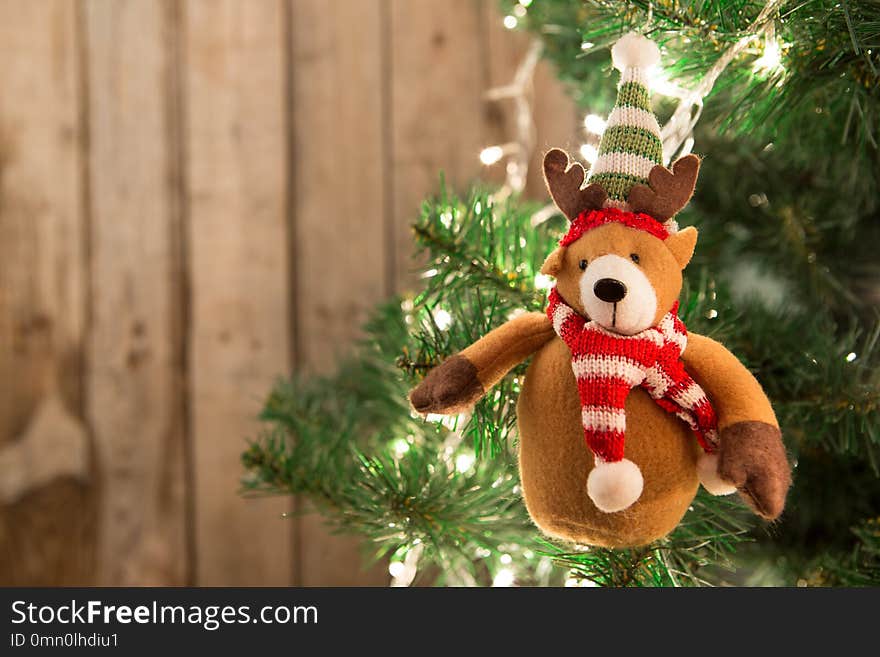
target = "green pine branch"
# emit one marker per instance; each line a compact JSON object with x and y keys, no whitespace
{"x":785,"y":274}
{"x":351,"y":445}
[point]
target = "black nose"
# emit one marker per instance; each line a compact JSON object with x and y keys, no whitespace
{"x":609,"y":289}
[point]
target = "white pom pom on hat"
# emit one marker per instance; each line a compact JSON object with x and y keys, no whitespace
{"x":634,"y":51}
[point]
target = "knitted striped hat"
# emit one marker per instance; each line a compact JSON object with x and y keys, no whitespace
{"x":630,"y":145}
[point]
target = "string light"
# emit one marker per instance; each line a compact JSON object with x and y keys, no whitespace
{"x":525,"y":3}
{"x":851,"y":356}
{"x":519,"y":11}
{"x":518,"y":151}
{"x":594,"y":123}
{"x":589,"y":153}
{"x":510,"y":22}
{"x":681,"y":124}
{"x":687,"y":147}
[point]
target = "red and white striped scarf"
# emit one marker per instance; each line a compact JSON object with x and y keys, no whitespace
{"x":608,"y":365}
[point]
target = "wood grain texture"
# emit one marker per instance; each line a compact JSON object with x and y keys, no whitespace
{"x":46,"y":537}
{"x":239,"y":337}
{"x":339,"y":210}
{"x":134,"y":380}
{"x":195,"y":197}
{"x":438,"y":78}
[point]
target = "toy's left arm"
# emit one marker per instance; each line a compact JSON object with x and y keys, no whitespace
{"x":751,"y":454}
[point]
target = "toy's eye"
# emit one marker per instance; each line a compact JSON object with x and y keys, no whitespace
{"x":583,"y":265}
{"x":634,"y":257}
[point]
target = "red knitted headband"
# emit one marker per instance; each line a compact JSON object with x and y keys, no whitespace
{"x":588,"y":220}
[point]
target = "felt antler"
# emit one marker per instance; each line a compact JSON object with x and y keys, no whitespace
{"x":564,"y":179}
{"x":667,"y":191}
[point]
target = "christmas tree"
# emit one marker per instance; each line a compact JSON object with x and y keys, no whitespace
{"x":782,"y":99}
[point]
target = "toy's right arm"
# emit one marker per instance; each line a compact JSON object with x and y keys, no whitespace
{"x":461,"y":380}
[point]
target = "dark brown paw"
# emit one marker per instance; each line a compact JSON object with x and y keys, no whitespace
{"x":449,"y":388}
{"x":752,"y":457}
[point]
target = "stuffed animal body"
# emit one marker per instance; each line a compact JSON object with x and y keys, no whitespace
{"x":622,"y":413}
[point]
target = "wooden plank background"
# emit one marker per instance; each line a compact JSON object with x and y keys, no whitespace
{"x":196,"y":197}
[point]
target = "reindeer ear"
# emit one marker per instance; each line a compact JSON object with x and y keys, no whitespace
{"x":682,"y":245}
{"x":553,"y":264}
{"x":667,"y":191}
{"x":564,"y":179}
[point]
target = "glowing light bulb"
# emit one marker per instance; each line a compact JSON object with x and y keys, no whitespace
{"x":442,"y":318}
{"x":463,"y":462}
{"x":594,"y":123}
{"x":519,"y":11}
{"x":543,"y":282}
{"x":851,"y":356}
{"x":506,"y":559}
{"x":503,"y":578}
{"x":400,"y":447}
{"x":589,"y":153}
{"x":525,"y":3}
{"x":491,"y":154}
{"x":510,"y":22}
{"x":771,"y":59}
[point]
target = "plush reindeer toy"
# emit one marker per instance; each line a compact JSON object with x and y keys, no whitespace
{"x":622,"y":413}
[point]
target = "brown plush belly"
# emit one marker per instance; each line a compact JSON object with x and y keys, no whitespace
{"x":554,"y":460}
